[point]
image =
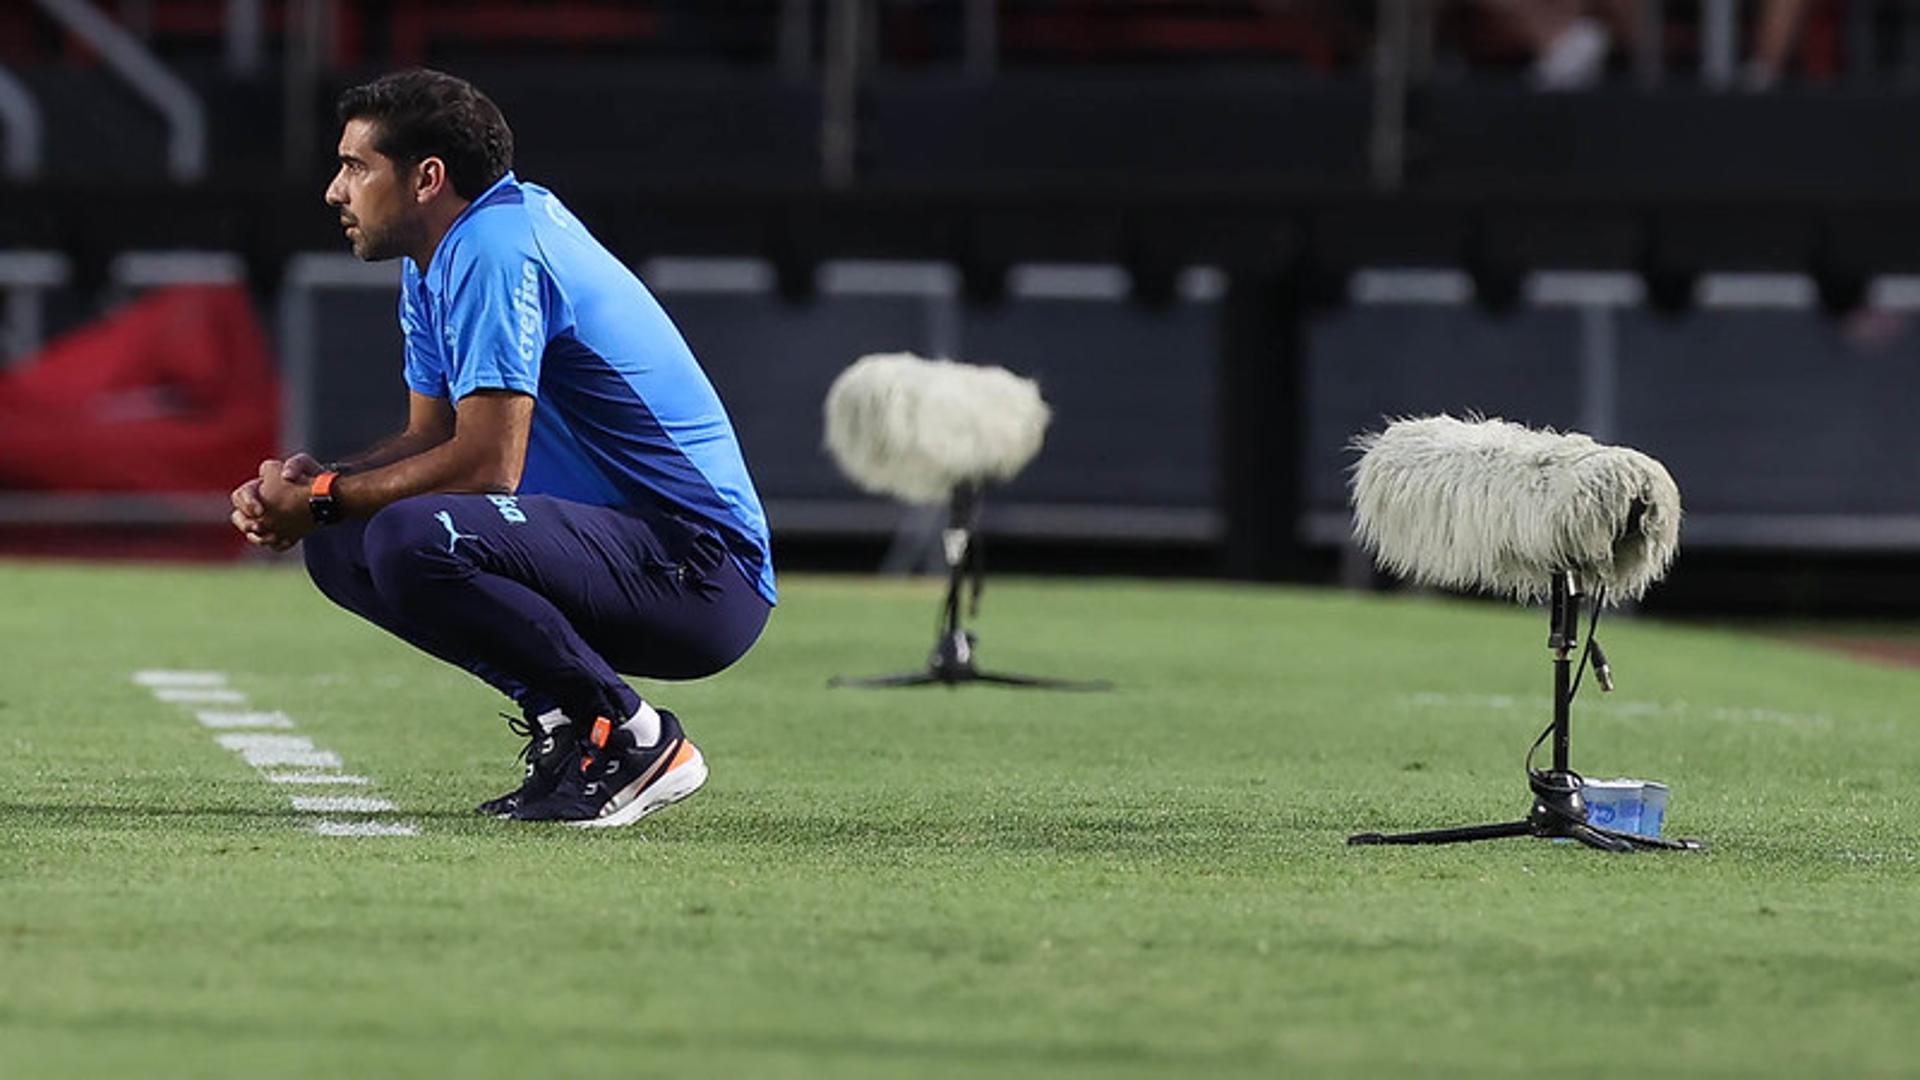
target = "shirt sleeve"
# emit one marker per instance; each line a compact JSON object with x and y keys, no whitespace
{"x":424,"y":371}
{"x":499,"y":320}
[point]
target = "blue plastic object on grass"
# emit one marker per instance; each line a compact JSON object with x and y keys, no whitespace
{"x":1633,"y":806}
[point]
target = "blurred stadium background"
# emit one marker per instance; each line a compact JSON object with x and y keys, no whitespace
{"x":1224,"y":235}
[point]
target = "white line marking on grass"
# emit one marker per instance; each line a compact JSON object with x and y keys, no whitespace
{"x":314,"y":778}
{"x":365,"y":828}
{"x":1871,"y":857}
{"x":1662,"y":710}
{"x":245,"y":737}
{"x":265,"y":742}
{"x":244,"y":719}
{"x":341,"y":804}
{"x":182,"y":695}
{"x":179,"y":678}
{"x":298,"y":759}
{"x":297,"y":750}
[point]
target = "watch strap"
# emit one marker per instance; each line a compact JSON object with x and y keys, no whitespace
{"x":321,"y":501}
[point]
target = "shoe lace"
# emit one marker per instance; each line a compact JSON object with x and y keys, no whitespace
{"x":530,"y":731}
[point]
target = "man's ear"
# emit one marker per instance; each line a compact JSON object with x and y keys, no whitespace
{"x":429,"y":179}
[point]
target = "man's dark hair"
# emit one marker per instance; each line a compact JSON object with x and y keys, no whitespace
{"x":419,"y":114}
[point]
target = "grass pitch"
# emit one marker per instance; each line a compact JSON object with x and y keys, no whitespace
{"x":1150,"y":882}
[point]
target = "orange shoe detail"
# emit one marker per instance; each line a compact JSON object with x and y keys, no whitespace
{"x":602,"y":729}
{"x":681,"y":756}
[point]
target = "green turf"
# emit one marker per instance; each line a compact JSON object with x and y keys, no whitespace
{"x":930,"y":883}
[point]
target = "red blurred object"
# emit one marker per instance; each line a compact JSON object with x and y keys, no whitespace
{"x":174,"y":392}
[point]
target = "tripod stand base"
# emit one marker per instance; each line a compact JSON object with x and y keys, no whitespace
{"x":1558,"y":813}
{"x":952,"y":664}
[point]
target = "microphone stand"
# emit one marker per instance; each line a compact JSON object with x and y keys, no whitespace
{"x":1558,"y":811}
{"x":951,"y":661}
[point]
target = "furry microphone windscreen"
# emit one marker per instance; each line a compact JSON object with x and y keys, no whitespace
{"x":915,"y":429}
{"x":1490,"y":505}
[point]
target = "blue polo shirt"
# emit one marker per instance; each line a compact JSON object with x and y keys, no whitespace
{"x":519,"y":296}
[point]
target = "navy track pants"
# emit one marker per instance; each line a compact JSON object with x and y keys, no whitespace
{"x":545,"y":599}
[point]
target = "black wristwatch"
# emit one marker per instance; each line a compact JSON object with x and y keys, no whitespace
{"x":322,"y":502}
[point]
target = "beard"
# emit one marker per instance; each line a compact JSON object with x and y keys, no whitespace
{"x":379,"y":245}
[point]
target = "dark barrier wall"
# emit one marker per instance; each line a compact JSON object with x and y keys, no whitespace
{"x":1756,"y":413}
